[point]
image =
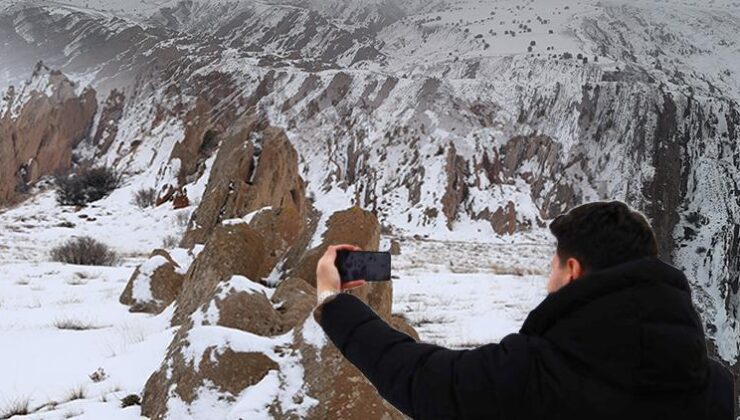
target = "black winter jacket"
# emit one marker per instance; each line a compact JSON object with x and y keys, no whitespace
{"x":620,"y":343}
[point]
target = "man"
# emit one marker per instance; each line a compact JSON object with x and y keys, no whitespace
{"x":617,"y":337}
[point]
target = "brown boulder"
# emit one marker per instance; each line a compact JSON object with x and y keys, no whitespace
{"x":340,"y":388}
{"x":503,"y":221}
{"x":234,"y":249}
{"x":294,"y":299}
{"x":353,"y":226}
{"x":241,"y":304}
{"x":256,"y":166}
{"x":280,"y":229}
{"x":237,"y":335}
{"x":189,"y":369}
{"x":154,"y":284}
{"x":229,"y":343}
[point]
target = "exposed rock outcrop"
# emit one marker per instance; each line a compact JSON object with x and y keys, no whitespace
{"x":395,"y":247}
{"x":110,"y":116}
{"x":350,"y":226}
{"x":40,"y":125}
{"x":154,"y":284}
{"x":345,"y":393}
{"x":235,"y":330}
{"x":234,"y":249}
{"x":240,"y":184}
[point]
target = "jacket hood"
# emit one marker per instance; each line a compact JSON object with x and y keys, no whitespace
{"x":633,"y":325}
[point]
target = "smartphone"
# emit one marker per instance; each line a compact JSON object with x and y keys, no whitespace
{"x":365,"y":265}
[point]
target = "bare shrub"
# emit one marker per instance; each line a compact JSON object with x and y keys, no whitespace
{"x":170,"y":241}
{"x":84,"y":250}
{"x":145,"y":197}
{"x":130,"y":400}
{"x":74,"y":324}
{"x":78,"y":393}
{"x":72,"y":414}
{"x":182,"y":219}
{"x":86,"y":185}
{"x":98,"y":376}
{"x":17,"y":407}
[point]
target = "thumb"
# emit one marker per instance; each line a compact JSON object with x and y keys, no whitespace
{"x":331,"y":251}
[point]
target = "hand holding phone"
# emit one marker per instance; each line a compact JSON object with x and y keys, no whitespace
{"x":363,"y":265}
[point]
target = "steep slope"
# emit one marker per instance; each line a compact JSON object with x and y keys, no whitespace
{"x":468,"y":120}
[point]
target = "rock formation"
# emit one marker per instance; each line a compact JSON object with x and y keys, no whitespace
{"x":154,"y":284}
{"x":235,"y":329}
{"x":40,"y":125}
{"x":241,"y":182}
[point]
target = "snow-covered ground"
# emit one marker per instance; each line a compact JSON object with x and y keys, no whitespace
{"x":59,"y":323}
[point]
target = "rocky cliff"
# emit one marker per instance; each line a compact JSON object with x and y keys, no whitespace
{"x":473,"y":119}
{"x":41,"y":124}
{"x":234,"y":330}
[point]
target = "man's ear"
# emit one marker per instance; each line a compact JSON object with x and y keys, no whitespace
{"x":574,"y":267}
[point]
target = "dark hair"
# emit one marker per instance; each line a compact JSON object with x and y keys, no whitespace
{"x":602,"y":234}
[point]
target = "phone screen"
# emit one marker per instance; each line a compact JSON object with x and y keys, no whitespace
{"x":366,"y":265}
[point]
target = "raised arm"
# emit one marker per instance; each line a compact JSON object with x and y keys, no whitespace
{"x":422,"y":380}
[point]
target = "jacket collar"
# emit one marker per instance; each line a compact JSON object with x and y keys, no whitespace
{"x":598,"y":283}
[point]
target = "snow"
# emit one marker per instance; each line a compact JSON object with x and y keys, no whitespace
{"x":142,"y":291}
{"x":238,"y":284}
{"x":60,"y":323}
{"x":44,"y":363}
{"x":456,"y":305}
{"x":483,"y":308}
{"x":313,"y":334}
{"x":461,"y":286}
{"x":247,"y":218}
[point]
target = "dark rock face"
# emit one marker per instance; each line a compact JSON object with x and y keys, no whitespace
{"x":676,"y":161}
{"x":41,"y":124}
{"x":110,"y":116}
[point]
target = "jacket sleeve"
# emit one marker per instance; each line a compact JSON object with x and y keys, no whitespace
{"x":422,"y":380}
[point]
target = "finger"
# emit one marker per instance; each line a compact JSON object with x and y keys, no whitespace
{"x":330,"y":254}
{"x":352,"y":284}
{"x":348,"y":247}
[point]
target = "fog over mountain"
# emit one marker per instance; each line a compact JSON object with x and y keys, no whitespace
{"x":470,"y":123}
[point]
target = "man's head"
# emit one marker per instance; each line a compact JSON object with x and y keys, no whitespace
{"x":595,"y":236}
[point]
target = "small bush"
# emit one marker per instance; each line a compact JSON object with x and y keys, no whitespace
{"x":74,"y":324}
{"x":182,"y":219}
{"x":170,"y":242}
{"x":209,"y":144}
{"x":18,"y":407}
{"x":84,"y":251}
{"x":130,"y":400}
{"x":98,"y":376}
{"x":86,"y":186}
{"x":145,"y":197}
{"x":78,"y":393}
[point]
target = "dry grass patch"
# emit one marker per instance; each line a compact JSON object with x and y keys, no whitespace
{"x":75,"y":324}
{"x":16,"y":407}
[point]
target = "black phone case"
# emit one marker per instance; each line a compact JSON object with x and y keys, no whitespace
{"x":366,"y":265}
